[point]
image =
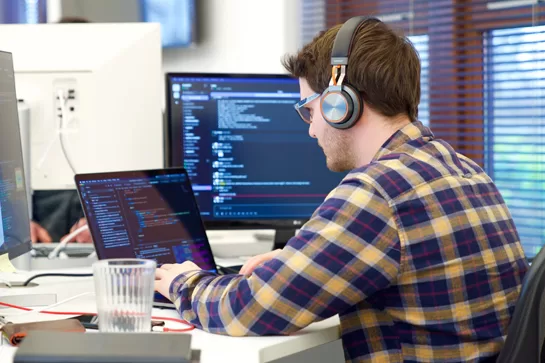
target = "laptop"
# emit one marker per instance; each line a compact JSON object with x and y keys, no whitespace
{"x":149,"y":214}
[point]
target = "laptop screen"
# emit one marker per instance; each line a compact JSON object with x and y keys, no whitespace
{"x":149,"y":214}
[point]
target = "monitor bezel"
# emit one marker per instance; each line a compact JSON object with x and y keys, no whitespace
{"x":19,"y":249}
{"x":284,"y":224}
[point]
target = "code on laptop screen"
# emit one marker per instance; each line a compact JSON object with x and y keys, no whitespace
{"x":146,"y":216}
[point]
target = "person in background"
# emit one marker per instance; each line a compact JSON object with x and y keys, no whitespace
{"x":58,"y":213}
{"x":55,"y":215}
{"x":415,"y":249}
{"x":73,"y":20}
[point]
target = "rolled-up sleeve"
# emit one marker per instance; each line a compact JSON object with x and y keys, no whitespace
{"x":348,"y":250}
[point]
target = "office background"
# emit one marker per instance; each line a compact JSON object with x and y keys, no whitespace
{"x":483,"y":75}
{"x":482,"y":86}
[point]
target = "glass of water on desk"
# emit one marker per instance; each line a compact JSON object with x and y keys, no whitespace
{"x":124,"y":293}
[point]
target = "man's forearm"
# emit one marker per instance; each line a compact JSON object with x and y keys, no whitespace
{"x":233,"y":305}
{"x":205,"y":300}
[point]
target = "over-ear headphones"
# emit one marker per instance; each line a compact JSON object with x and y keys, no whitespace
{"x":341,"y":104}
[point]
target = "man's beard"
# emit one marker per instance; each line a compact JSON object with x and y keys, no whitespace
{"x":338,"y":152}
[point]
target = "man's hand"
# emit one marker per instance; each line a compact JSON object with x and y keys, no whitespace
{"x":165,"y":275}
{"x":82,"y":237}
{"x":39,"y":233}
{"x":255,"y":261}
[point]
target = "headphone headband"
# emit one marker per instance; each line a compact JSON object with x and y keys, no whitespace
{"x":344,"y":39}
{"x":341,"y":104}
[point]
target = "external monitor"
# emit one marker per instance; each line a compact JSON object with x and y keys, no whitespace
{"x":94,"y":97}
{"x":250,"y":158}
{"x":14,"y":218}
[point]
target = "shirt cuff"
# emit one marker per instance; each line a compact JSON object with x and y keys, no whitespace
{"x":185,"y":283}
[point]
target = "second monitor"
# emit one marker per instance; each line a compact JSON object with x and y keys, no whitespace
{"x":250,"y":158}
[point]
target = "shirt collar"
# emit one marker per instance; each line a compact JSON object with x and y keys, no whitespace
{"x":414,"y":130}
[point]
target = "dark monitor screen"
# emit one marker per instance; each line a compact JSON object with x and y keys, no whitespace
{"x":14,"y":213}
{"x":148,"y":214}
{"x":248,"y":154}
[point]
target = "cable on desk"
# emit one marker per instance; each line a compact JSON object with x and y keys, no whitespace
{"x":53,"y":254}
{"x":40,"y":250}
{"x":54,"y":275}
{"x":174,"y":320}
{"x":28,"y":310}
{"x":39,"y":310}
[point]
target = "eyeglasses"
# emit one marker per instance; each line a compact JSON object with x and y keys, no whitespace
{"x":302,"y":110}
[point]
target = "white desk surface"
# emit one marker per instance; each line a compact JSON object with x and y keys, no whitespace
{"x":214,"y":348}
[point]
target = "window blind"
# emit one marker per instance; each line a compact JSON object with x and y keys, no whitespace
{"x":483,"y":82}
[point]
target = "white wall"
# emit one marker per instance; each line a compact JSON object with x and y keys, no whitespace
{"x":240,"y":36}
{"x":235,"y":36}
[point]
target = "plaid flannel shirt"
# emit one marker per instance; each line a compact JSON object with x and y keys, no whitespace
{"x":416,"y":252}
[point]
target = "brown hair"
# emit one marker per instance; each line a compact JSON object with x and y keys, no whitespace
{"x":73,"y":20}
{"x":383,"y":66}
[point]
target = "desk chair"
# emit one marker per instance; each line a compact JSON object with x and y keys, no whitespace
{"x":526,"y":332}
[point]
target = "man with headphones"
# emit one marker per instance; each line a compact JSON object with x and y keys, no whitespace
{"x":415,"y":250}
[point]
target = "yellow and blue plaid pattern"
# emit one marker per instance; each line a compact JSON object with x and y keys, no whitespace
{"x":416,"y":252}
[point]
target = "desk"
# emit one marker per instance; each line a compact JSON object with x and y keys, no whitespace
{"x":319,"y":342}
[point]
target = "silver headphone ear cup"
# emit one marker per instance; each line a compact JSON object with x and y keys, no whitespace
{"x":357,"y":108}
{"x":341,"y":106}
{"x":335,"y":106}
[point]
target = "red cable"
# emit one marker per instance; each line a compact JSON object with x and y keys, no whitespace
{"x":175,"y":320}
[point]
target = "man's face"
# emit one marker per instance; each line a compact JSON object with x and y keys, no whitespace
{"x":336,"y":144}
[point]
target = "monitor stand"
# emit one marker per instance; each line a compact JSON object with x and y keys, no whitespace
{"x":22,"y":262}
{"x":282,"y":236}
